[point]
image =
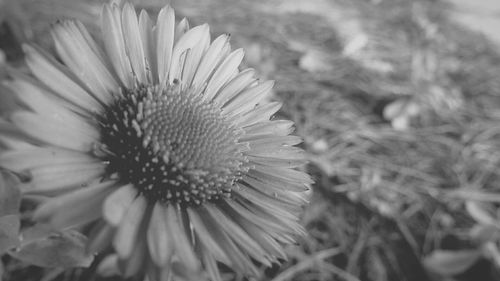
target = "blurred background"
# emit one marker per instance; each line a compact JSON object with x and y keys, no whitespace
{"x":398,"y":102}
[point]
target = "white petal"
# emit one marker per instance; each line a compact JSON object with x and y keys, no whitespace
{"x":75,"y":208}
{"x":292,"y":196}
{"x":268,"y":243}
{"x":159,"y":273}
{"x":235,"y":86}
{"x":217,"y":51}
{"x":267,"y":142}
{"x":57,"y":78}
{"x":133,"y":42}
{"x":67,"y":133}
{"x":206,"y":238}
{"x":224,"y":72}
{"x":239,"y":260}
{"x":129,"y":228}
{"x":261,"y":113}
{"x":183,"y":247}
{"x":181,"y":28}
{"x":281,"y":228}
{"x":165,"y":32}
{"x":160,"y":243}
{"x":248,"y":99}
{"x":187,"y":42}
{"x":284,"y":174}
{"x":276,"y":127}
{"x":13,"y":138}
{"x":87,"y":38}
{"x":34,"y":97}
{"x":285,"y":157}
{"x":47,"y":179}
{"x":273,"y":208}
{"x":148,"y":45}
{"x":21,"y":160}
{"x":85,"y":63}
{"x":137,"y":260}
{"x":115,"y":46}
{"x":211,"y":265}
{"x":238,"y":235}
{"x":195,"y":55}
{"x":264,"y":220}
{"x":116,"y":204}
{"x":276,"y":182}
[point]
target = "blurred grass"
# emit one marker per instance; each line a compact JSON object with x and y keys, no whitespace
{"x":399,"y":109}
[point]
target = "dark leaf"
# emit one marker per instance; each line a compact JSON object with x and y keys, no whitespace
{"x":9,"y":232}
{"x":10,"y":195}
{"x":66,"y":249}
{"x":450,"y":263}
{"x":36,"y":232}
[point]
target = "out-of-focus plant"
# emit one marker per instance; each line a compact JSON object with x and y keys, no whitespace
{"x":6,"y":100}
{"x":30,"y":19}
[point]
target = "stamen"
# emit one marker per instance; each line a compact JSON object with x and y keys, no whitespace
{"x":173,"y":146}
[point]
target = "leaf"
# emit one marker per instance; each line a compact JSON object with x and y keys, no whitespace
{"x":9,"y":232}
{"x":449,"y":263}
{"x":65,"y":249}
{"x":10,"y":195}
{"x":480,"y":212}
{"x":400,"y":111}
{"x":482,"y":234}
{"x":315,"y":61}
{"x":36,"y":232}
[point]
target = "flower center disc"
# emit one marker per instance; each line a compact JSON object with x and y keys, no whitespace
{"x":171,"y":145}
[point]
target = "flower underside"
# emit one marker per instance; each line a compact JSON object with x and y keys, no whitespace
{"x":173,"y":146}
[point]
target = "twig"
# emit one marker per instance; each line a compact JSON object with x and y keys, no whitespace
{"x":307,"y":263}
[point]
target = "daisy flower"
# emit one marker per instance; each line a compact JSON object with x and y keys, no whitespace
{"x":153,"y":141}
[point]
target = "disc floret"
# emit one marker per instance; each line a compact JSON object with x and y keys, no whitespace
{"x":173,"y":146}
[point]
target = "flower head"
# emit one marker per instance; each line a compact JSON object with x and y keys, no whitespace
{"x":157,"y":144}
